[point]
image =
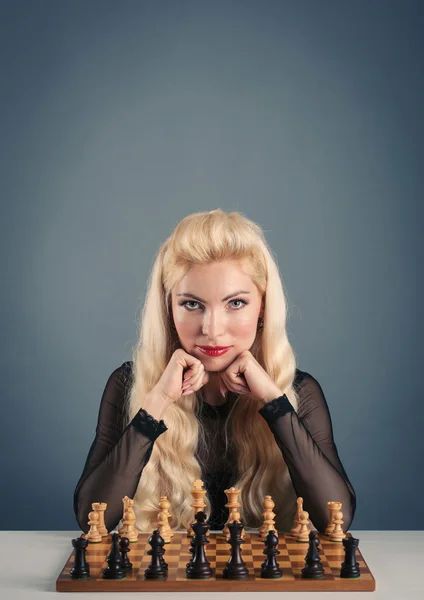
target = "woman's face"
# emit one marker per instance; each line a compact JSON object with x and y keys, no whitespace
{"x":216,"y":305}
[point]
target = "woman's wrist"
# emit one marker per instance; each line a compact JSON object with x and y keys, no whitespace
{"x":155,"y":404}
{"x":276,"y":393}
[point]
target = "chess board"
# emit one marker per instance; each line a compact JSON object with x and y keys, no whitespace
{"x":291,"y":560}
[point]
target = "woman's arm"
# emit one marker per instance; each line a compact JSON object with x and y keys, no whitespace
{"x":306,"y":442}
{"x":116,"y":458}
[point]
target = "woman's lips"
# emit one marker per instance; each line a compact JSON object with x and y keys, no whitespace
{"x":213,"y":352}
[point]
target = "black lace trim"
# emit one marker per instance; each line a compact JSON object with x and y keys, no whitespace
{"x":148,"y":425}
{"x":275,"y":409}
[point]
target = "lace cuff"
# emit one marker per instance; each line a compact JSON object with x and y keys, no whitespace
{"x":148,"y":425}
{"x":275,"y":409}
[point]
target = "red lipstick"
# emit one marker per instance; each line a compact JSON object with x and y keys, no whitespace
{"x":214,"y":350}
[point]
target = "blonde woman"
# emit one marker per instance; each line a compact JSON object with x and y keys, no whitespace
{"x":238,"y":415}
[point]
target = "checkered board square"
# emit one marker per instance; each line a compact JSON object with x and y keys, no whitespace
{"x":291,"y":560}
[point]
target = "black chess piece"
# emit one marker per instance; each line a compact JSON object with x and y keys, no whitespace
{"x":199,"y":567}
{"x":80,"y":568}
{"x":270,"y":569}
{"x":124,"y":546}
{"x":192,"y":550}
{"x":114,"y":570}
{"x":350,"y":567}
{"x":157,"y":568}
{"x":313,"y":568}
{"x":235,"y":567}
{"x":161,"y":558}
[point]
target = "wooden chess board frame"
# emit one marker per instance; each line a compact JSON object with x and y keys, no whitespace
{"x":291,"y":560}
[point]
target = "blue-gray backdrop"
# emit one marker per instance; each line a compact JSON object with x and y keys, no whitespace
{"x":120,"y":118}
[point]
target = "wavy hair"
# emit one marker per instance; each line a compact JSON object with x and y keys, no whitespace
{"x":200,"y":239}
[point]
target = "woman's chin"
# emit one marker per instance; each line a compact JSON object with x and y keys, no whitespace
{"x":215,"y":363}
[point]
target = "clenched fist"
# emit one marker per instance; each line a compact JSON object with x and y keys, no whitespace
{"x":181,"y":368}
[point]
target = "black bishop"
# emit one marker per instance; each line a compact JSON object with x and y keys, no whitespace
{"x":270,"y":569}
{"x":313,"y":568}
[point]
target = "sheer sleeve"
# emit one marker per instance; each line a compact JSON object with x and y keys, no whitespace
{"x":117,"y":456}
{"x":306,"y":441}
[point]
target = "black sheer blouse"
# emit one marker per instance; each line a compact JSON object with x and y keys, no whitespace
{"x":118,"y":455}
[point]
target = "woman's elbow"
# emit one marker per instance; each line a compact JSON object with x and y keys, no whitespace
{"x":83,"y":508}
{"x":81,"y":511}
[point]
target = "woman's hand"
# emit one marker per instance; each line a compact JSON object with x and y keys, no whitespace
{"x":246,"y":376}
{"x":170,"y":385}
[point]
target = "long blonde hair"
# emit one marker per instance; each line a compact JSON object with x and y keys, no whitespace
{"x":200,"y":239}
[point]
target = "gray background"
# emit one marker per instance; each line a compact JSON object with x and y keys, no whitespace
{"x":120,"y":118}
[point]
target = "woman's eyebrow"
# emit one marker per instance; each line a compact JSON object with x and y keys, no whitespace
{"x":204,"y":301}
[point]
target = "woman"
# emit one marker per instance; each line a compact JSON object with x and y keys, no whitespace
{"x":244,"y":417}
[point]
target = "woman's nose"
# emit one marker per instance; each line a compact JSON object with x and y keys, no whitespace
{"x":213,"y":326}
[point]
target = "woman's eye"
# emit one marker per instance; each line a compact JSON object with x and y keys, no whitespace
{"x":239,"y":300}
{"x":187,"y":302}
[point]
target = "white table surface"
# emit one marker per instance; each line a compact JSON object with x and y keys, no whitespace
{"x":31,"y":561}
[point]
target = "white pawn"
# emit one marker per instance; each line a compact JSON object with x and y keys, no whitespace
{"x":303,"y":535}
{"x":130,"y":531}
{"x":93,"y":520}
{"x":163,"y":526}
{"x":128,"y":521}
{"x":337,"y":535}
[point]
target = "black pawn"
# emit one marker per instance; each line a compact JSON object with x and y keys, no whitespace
{"x":114,"y":570}
{"x":80,"y":568}
{"x":235,"y":567}
{"x":199,"y":567}
{"x":350,"y":568}
{"x":157,"y":568}
{"x":313,"y":568}
{"x":270,"y":568}
{"x":124,"y":546}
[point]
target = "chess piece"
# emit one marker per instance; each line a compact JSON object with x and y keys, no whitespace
{"x":157,"y":568}
{"x":93,"y":535}
{"x":162,"y":519}
{"x":198,"y":492}
{"x":303,"y":535}
{"x":121,"y":530}
{"x":199,"y":567}
{"x":114,"y":570}
{"x":296,"y":525}
{"x":124,"y":547}
{"x":270,"y":569}
{"x":337,"y":535}
{"x":313,"y":568}
{"x":80,"y":568}
{"x":269,"y":518}
{"x":235,"y":567}
{"x":100,"y":508}
{"x":129,"y":530}
{"x":233,"y":505}
{"x":350,"y":567}
{"x":332,"y":507}
{"x":161,"y":558}
{"x":192,"y":550}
